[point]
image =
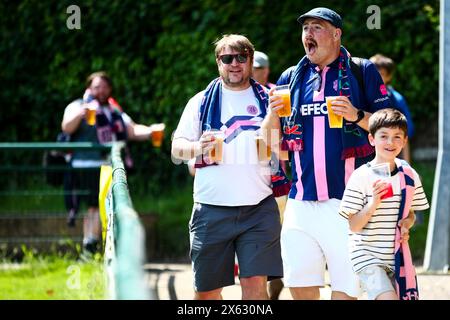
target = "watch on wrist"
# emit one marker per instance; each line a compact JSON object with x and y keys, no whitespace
{"x":360,"y":115}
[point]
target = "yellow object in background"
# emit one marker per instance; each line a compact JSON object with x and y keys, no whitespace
{"x":105,"y":185}
{"x":281,"y":202}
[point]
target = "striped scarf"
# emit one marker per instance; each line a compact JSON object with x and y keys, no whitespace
{"x":354,"y":138}
{"x":405,"y":275}
{"x":210,"y":113}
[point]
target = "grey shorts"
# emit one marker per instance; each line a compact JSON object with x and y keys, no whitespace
{"x":217,"y":233}
{"x":376,"y":280}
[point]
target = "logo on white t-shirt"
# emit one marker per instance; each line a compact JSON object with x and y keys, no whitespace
{"x":252,"y":109}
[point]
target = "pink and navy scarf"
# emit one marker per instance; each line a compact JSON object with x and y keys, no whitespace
{"x":405,"y":274}
{"x":210,"y":113}
{"x":354,"y":139}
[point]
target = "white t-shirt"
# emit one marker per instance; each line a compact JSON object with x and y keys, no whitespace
{"x":374,"y":244}
{"x":240,"y":179}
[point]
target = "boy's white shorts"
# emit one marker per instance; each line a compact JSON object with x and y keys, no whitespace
{"x":315,"y":235}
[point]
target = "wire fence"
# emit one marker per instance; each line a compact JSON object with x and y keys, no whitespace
{"x":36,"y":192}
{"x":34,"y":189}
{"x":125,"y":238}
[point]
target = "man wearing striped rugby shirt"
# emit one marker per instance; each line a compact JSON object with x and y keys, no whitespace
{"x":322,"y":158}
{"x":380,"y":225}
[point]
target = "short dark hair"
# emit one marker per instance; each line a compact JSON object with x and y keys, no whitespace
{"x":383,"y":62}
{"x":236,"y":42}
{"x":387,"y":118}
{"x":99,"y":74}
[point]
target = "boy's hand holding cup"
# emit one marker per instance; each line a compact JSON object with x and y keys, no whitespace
{"x":381,"y":175}
{"x":379,"y":190}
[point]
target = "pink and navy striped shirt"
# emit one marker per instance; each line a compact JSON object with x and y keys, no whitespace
{"x":318,"y":171}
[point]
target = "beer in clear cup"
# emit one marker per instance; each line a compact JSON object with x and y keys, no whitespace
{"x":334,"y":120}
{"x":264,"y":150}
{"x":284,"y":92}
{"x":91,"y":112}
{"x":157,"y":134}
{"x":216,"y":153}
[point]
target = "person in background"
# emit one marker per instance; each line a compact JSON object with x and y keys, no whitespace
{"x":386,"y":67}
{"x":108,"y":124}
{"x":261,"y":69}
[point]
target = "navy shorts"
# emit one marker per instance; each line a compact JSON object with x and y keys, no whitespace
{"x":87,"y":182}
{"x":217,"y":233}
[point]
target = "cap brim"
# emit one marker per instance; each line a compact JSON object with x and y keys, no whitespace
{"x":302,"y":19}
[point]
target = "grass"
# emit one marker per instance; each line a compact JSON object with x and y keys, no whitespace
{"x":52,"y":278}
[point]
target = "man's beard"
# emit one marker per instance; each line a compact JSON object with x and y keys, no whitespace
{"x":103,"y":100}
{"x":229,"y":83}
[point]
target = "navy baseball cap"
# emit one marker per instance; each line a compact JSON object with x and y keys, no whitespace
{"x":324,"y":14}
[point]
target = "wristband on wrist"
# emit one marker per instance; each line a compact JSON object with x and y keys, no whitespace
{"x":360,"y":115}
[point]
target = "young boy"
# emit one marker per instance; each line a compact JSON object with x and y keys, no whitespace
{"x":380,"y":227}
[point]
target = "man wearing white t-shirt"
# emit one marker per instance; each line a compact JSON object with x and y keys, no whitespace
{"x":234,"y":211}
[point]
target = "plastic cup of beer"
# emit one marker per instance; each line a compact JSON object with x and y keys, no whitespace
{"x":91,"y":112}
{"x":216,"y":153}
{"x":264,"y":150}
{"x":334,"y":120}
{"x":284,"y":92}
{"x":158,"y":134}
{"x":382,"y":172}
{"x":284,"y":154}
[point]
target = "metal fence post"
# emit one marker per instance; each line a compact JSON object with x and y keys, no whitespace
{"x":437,"y":247}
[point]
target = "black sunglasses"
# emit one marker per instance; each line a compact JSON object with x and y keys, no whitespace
{"x":228,"y":58}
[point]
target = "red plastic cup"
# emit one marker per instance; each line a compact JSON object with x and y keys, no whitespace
{"x":390,"y":191}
